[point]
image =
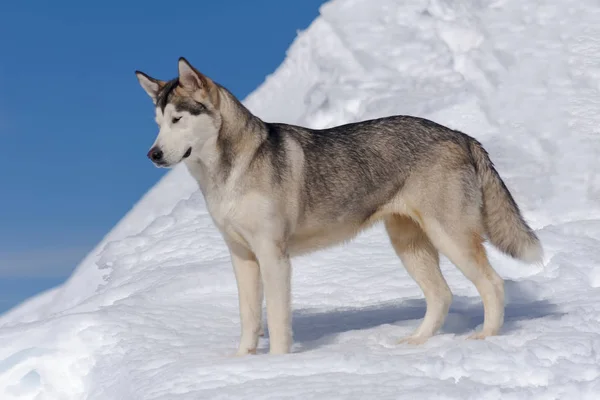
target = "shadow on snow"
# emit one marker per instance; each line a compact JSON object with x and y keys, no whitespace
{"x":315,"y":329}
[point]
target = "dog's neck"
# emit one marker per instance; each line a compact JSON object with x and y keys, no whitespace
{"x":226,"y":155}
{"x":236,"y":119}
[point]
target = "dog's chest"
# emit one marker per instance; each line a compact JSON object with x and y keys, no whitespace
{"x":234,"y":214}
{"x":237,"y":210}
{"x":219,"y":197}
{"x":221,"y":208}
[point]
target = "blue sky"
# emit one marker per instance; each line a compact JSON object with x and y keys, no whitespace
{"x":75,"y":124}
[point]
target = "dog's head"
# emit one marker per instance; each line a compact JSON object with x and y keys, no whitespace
{"x":187,"y":112}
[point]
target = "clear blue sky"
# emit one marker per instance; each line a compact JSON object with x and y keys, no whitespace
{"x":72,"y":111}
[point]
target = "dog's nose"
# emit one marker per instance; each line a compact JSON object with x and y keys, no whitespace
{"x":155,"y":154}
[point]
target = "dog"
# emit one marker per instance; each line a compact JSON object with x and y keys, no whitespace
{"x":277,"y":190}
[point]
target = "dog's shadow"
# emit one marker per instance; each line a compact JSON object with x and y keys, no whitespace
{"x":316,"y":329}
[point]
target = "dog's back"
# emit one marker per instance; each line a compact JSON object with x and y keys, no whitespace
{"x":354,"y":169}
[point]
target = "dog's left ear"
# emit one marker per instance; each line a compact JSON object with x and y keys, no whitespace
{"x":190,"y":78}
{"x":150,"y":85}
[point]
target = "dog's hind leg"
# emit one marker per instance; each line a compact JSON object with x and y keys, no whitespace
{"x":421,"y":260}
{"x":463,"y":245}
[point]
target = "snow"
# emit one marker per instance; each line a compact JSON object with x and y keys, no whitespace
{"x":152,"y":312}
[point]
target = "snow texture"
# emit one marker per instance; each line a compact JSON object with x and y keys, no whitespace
{"x":152,"y":313}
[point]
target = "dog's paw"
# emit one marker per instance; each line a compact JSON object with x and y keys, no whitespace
{"x":414,"y":340}
{"x":244,"y":352}
{"x":479,"y":335}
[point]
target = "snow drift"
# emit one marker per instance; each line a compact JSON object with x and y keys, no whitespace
{"x":151,"y":313}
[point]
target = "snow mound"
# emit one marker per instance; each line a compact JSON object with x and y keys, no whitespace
{"x":152,"y":313}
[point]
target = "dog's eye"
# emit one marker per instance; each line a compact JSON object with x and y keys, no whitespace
{"x":175,"y":120}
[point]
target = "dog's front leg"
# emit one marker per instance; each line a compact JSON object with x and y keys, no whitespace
{"x":275,"y":270}
{"x":247,"y":275}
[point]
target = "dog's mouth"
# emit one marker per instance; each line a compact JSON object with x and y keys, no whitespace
{"x":187,"y":153}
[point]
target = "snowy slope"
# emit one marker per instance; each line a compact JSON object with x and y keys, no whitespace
{"x":153,"y":314}
{"x":158,"y":201}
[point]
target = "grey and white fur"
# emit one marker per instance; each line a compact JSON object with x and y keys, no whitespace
{"x":275,"y":191}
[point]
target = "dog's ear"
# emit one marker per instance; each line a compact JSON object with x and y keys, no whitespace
{"x":190,"y":78}
{"x":150,"y":85}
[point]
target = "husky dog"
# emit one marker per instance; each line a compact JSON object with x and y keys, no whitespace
{"x":276,"y":191}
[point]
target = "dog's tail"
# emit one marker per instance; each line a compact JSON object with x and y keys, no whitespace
{"x":504,"y":224}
